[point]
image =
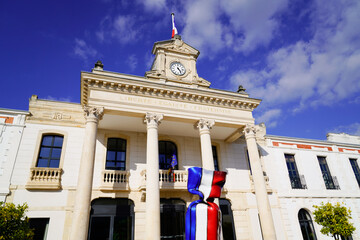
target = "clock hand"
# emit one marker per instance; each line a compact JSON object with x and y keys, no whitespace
{"x":178,"y":69}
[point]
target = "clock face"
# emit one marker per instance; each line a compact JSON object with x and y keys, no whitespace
{"x":177,"y":68}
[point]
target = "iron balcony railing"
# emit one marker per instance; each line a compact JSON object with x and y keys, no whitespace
{"x":330,"y":182}
{"x":297,"y":181}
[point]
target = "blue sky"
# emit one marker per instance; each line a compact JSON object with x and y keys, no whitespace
{"x":302,"y":58}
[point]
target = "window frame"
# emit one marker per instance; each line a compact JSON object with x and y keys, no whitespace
{"x":298,"y":175}
{"x":331,"y":185}
{"x":47,"y":132}
{"x":357,"y":178}
{"x":127,"y":153}
{"x":217,"y":147}
{"x":177,"y":152}
{"x":306,"y":221}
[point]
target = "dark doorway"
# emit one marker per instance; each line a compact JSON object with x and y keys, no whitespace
{"x":112,"y":219}
{"x":172,"y":214}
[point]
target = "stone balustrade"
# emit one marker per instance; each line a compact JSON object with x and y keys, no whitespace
{"x":115,"y":180}
{"x":44,"y":178}
{"x":177,"y":179}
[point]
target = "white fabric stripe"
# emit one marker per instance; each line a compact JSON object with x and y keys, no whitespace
{"x":206,"y":182}
{"x":201,"y":221}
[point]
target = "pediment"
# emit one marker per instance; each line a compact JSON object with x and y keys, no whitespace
{"x":176,"y":45}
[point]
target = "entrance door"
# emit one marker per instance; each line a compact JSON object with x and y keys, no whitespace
{"x":172,"y":219}
{"x":111,"y":219}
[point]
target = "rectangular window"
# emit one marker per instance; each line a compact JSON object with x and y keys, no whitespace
{"x":356,"y":169}
{"x":116,"y":154}
{"x":50,"y":151}
{"x":216,"y":160}
{"x":329,"y":183}
{"x":40,"y":226}
{"x":293,"y":172}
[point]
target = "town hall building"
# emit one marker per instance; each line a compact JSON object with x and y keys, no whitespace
{"x":101,"y":169}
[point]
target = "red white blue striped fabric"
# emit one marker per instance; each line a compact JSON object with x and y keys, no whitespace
{"x":203,"y":219}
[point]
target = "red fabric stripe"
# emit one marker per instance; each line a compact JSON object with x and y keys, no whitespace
{"x":217,"y":184}
{"x":173,"y":33}
{"x":213,"y":221}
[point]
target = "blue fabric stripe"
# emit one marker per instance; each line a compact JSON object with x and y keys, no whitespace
{"x":190,"y":225}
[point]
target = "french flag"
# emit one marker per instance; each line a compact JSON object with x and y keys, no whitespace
{"x":203,"y":217}
{"x":174,"y":30}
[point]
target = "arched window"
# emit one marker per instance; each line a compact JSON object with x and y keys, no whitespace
{"x":116,"y":154}
{"x":167,"y":155}
{"x":111,"y":219}
{"x":50,"y":151}
{"x":306,"y":225}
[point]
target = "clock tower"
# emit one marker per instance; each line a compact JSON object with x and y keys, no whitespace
{"x":175,"y":64}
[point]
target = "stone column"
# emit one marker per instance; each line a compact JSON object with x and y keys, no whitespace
{"x":80,"y":222}
{"x":262,"y":200}
{"x":204,"y":126}
{"x":152,"y":177}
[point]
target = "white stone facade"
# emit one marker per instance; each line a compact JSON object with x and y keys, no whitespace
{"x":183,"y":110}
{"x":12,"y":123}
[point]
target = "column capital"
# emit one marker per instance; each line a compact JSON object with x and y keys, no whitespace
{"x":153,"y":119}
{"x":250,"y":130}
{"x":205,"y":124}
{"x":93,"y":113}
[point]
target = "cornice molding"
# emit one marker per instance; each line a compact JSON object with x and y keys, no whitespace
{"x":163,"y":91}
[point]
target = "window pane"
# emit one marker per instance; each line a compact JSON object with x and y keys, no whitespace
{"x":54,"y":163}
{"x":45,"y":152}
{"x":58,"y":141}
{"x":40,"y":226}
{"x":56,"y":153}
{"x":122,"y":227}
{"x":42,"y":163}
{"x":111,"y":155}
{"x":120,"y":156}
{"x":47,"y":141}
{"x":121,"y":145}
{"x":100,"y":228}
{"x":111,"y":144}
{"x":167,"y":150}
{"x":110,"y":165}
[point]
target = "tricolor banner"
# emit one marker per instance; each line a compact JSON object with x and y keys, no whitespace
{"x":174,"y":30}
{"x":203,"y":217}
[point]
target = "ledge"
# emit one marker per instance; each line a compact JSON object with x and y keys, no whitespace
{"x":44,"y":178}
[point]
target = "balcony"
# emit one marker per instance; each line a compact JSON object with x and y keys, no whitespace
{"x":297,"y":182}
{"x":330,"y":182}
{"x":115,"y":180}
{"x":176,"y":180}
{"x":44,"y":178}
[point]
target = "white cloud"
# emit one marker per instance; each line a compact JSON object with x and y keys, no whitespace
{"x":61,"y":99}
{"x":122,"y":28}
{"x":270,"y":117}
{"x":251,"y":23}
{"x":322,"y":71}
{"x":83,"y":50}
{"x":352,"y":129}
{"x":132,"y":62}
{"x":153,"y":4}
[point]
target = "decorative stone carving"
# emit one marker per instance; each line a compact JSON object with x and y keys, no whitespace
{"x":250,"y":130}
{"x":205,"y":124}
{"x":153,"y":118}
{"x":93,"y":112}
